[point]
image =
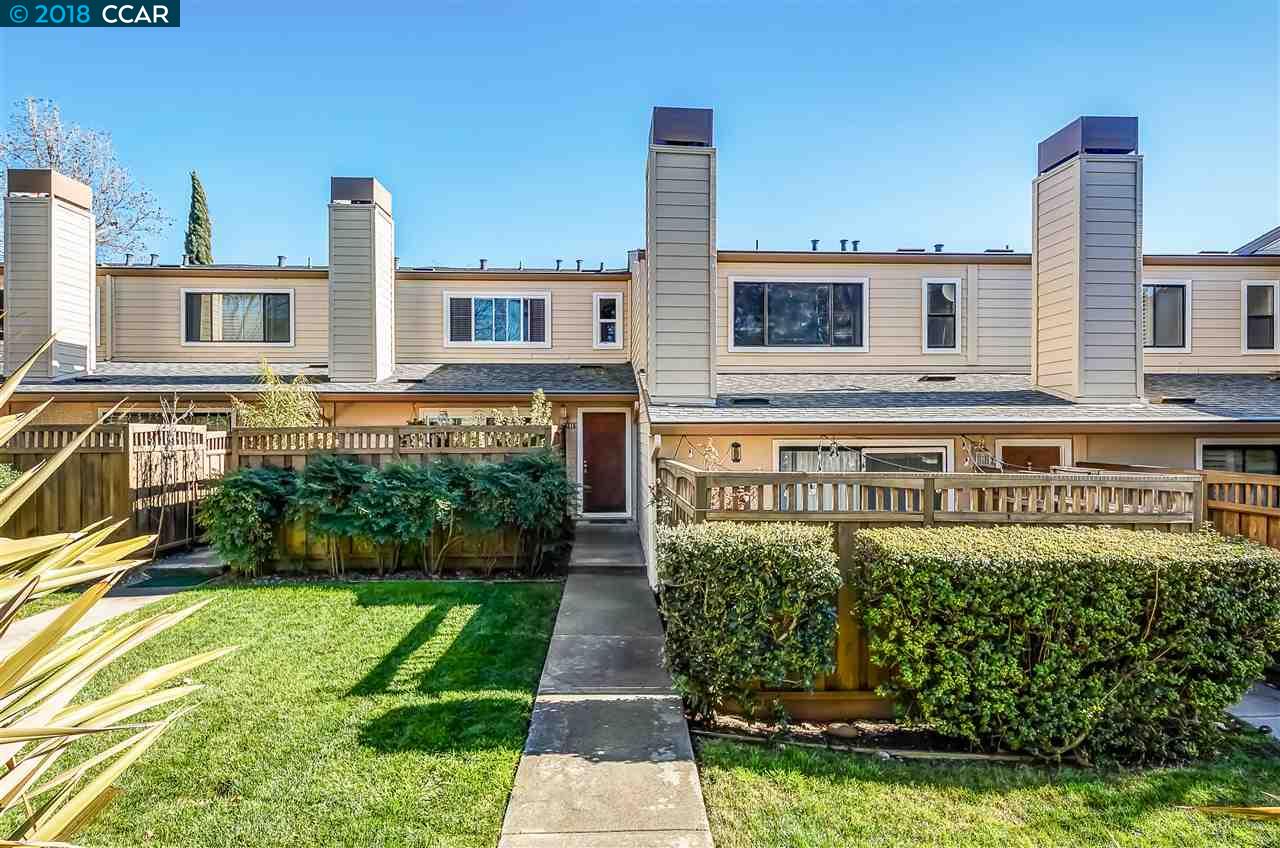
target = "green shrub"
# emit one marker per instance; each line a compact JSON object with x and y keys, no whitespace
{"x":8,"y":475}
{"x":325,"y":497}
{"x":745,"y":603}
{"x":241,"y":513}
{"x":541,"y":503}
{"x":1096,"y":644}
{"x":397,"y":507}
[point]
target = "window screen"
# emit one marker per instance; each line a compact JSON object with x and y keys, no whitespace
{"x":1260,"y":318}
{"x":941,"y":311}
{"x":238,"y":317}
{"x":1164,"y":316}
{"x":798,"y":314}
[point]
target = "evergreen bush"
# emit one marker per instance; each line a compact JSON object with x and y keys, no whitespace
{"x":241,"y":514}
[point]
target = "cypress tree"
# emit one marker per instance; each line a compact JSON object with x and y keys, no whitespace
{"x":199,"y":242}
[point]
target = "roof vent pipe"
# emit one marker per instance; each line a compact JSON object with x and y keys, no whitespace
{"x":155,"y":257}
{"x":844,"y":245}
{"x":280,"y":258}
{"x":186,"y":259}
{"x":602,"y":267}
{"x":579,"y":264}
{"x":814,"y":244}
{"x":937,"y":248}
{"x":483,"y":264}
{"x":395,"y":260}
{"x":558,"y":261}
{"x":855,"y":245}
{"x":128,"y":258}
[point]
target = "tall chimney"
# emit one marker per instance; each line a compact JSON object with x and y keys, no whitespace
{"x":50,"y":260}
{"x":1086,"y":262}
{"x":680,"y":244}
{"x":361,"y":281}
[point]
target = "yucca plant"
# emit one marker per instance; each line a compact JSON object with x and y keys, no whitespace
{"x":42,"y":676}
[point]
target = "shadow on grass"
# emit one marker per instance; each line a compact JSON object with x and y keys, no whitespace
{"x":1243,"y":775}
{"x":462,"y":725}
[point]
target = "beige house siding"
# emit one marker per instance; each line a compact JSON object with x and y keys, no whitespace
{"x":1111,"y":360}
{"x":72,"y":293}
{"x":894,"y":294}
{"x":680,"y":249}
{"x":1056,"y":277}
{"x":1216,"y":339}
{"x":146,"y":320}
{"x":26,"y":241}
{"x":360,"y":281}
{"x":420,"y":333}
{"x":637,"y":312}
{"x":1004,"y":317}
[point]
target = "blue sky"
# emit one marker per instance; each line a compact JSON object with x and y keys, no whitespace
{"x":517,"y":131}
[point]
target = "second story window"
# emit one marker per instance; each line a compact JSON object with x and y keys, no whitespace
{"x":1258,"y":316}
{"x":608,"y":320}
{"x":940,"y":315}
{"x":800,"y":315}
{"x":1165,"y":308}
{"x":231,"y":317}
{"x":497,"y":320}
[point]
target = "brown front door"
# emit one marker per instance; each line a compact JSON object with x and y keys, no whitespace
{"x":1029,"y":457}
{"x":604,"y":462}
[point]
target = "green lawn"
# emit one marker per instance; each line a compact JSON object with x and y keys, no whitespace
{"x":760,"y":797}
{"x":376,"y":714}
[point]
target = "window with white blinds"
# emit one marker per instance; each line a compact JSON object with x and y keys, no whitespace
{"x":264,"y":317}
{"x":490,"y":319}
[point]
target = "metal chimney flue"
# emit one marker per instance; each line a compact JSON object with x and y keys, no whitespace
{"x":484,"y":263}
{"x":813,"y":244}
{"x":844,"y":245}
{"x":128,"y":259}
{"x":937,"y":248}
{"x":280,"y":258}
{"x":155,"y":257}
{"x":558,"y":263}
{"x":854,"y":242}
{"x":579,"y":264}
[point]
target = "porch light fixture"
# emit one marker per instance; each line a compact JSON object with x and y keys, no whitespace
{"x":735,"y":452}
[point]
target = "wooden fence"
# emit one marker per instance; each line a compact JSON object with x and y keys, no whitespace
{"x":379,"y":446}
{"x":150,"y":476}
{"x":850,"y":501}
{"x":1244,"y":505}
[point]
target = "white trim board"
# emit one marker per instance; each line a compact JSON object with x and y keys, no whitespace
{"x":630,"y":463}
{"x":1187,"y":315}
{"x":1244,"y":317}
{"x":182,"y":317}
{"x":482,"y":295}
{"x":865,"y":347}
{"x":596,"y":320}
{"x":925,"y":282}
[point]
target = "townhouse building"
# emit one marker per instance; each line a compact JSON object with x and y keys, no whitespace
{"x":1083,"y":350}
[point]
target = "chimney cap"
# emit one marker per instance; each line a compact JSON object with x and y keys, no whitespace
{"x":1088,"y":134}
{"x":359,"y":190}
{"x":681,"y":126}
{"x":46,"y":181}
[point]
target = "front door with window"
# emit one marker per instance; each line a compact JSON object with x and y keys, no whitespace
{"x":604,"y":463}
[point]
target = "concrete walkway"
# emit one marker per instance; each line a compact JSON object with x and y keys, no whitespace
{"x":1260,"y":706}
{"x":118,"y":601}
{"x":608,"y":762}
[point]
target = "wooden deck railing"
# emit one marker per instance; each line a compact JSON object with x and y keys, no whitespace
{"x":289,"y":447}
{"x":1244,"y":505}
{"x":852,"y":500}
{"x":1170,"y":501}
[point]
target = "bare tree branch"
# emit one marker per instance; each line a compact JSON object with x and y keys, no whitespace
{"x":126,"y":213}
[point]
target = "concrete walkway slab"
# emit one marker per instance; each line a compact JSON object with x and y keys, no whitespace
{"x":1260,"y":707}
{"x":608,"y":762}
{"x":606,"y":546}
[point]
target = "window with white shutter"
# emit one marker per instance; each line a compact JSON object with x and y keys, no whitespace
{"x":493,"y":319}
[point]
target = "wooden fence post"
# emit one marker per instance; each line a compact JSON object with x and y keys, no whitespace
{"x":701,"y":499}
{"x":926,"y":501}
{"x":1199,"y":509}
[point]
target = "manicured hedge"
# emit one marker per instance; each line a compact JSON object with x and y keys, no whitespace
{"x":395,"y":510}
{"x":1069,"y":643}
{"x":744,"y":603}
